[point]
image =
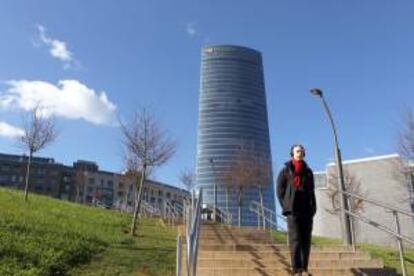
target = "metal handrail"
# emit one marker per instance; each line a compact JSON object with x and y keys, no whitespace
{"x":379,"y":203}
{"x":226,"y":217}
{"x":170,"y":212}
{"x":193,"y":214}
{"x":146,"y":207}
{"x":271,"y":219}
{"x":396,"y":233}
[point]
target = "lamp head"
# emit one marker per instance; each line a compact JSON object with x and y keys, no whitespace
{"x":316,"y":92}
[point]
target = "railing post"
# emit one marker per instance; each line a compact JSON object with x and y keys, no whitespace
{"x":179,"y":256}
{"x":400,"y":245}
{"x":352,"y":224}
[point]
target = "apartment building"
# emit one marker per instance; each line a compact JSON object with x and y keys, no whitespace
{"x":83,"y":182}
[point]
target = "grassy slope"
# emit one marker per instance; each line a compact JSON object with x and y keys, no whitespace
{"x":389,"y":255}
{"x":52,"y":237}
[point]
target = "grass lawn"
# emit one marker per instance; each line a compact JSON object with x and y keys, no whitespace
{"x":389,"y":255}
{"x":51,"y":237}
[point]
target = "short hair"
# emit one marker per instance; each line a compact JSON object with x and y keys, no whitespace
{"x":295,"y":146}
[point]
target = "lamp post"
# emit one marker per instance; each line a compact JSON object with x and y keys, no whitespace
{"x":346,"y":228}
{"x":214,"y":189}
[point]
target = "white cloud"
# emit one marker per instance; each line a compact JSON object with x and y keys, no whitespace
{"x":10,"y":131}
{"x":69,"y":99}
{"x":191,"y":30}
{"x":57,"y":49}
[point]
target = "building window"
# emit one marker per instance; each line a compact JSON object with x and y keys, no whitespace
{"x":168,"y":195}
{"x":38,"y":188}
{"x":5,"y":168}
{"x":160,"y":193}
{"x":110,"y":184}
{"x":91,"y":181}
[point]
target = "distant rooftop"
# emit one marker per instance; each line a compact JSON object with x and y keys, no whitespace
{"x":367,"y":159}
{"x":23,"y":157}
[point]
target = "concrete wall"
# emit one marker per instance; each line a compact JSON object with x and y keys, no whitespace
{"x":380,"y":179}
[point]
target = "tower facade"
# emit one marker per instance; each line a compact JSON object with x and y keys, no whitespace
{"x":232,"y":118}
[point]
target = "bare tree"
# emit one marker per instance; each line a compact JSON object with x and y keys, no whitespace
{"x":352,"y":185}
{"x":39,"y":132}
{"x":128,"y":179}
{"x":80,"y":180}
{"x":406,"y":137}
{"x":147,"y":146}
{"x":405,"y":146}
{"x":241,"y":174}
{"x":262,"y":178}
{"x":187,"y":178}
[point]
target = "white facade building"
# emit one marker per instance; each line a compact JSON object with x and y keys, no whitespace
{"x":381,"y":178}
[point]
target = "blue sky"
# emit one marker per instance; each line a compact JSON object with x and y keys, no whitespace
{"x":94,"y":60}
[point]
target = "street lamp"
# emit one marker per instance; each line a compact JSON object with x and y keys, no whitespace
{"x":215,"y":188}
{"x":346,"y":225}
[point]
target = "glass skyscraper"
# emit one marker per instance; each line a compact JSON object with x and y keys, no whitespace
{"x":232,"y":114}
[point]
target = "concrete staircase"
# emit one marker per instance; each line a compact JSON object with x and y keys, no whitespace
{"x":247,"y":251}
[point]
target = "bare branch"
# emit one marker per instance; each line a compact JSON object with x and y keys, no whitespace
{"x":405,"y":143}
{"x":39,"y":131}
{"x":146,"y":142}
{"x":147,"y":146}
{"x":352,"y":185}
{"x":187,"y":178}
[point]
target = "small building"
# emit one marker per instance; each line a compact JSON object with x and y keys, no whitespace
{"x":381,"y":178}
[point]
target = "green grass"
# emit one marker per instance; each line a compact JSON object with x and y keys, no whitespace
{"x":51,"y":237}
{"x":389,"y":255}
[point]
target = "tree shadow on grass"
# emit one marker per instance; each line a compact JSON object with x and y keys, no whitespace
{"x":409,"y":260}
{"x":146,"y":248}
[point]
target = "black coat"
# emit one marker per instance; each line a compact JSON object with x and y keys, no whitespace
{"x":286,"y":193}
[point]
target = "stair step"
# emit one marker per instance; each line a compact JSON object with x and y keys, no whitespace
{"x":249,"y":251}
{"x":264,"y":246}
{"x":281,"y":254}
{"x":285,"y":271}
{"x":277,"y":263}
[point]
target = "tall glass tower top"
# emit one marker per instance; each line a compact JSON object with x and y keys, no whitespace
{"x":232,"y":114}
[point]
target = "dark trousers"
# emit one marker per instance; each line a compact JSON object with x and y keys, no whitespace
{"x":300,"y":233}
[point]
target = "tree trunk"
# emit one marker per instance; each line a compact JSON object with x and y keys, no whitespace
{"x":239,"y":201}
{"x":126,"y":198}
{"x":261,"y":206}
{"x":26,"y":188}
{"x":227,"y":200}
{"x":77,"y":192}
{"x":138,"y":202}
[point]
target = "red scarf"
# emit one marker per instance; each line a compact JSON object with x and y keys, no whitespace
{"x":298,"y":165}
